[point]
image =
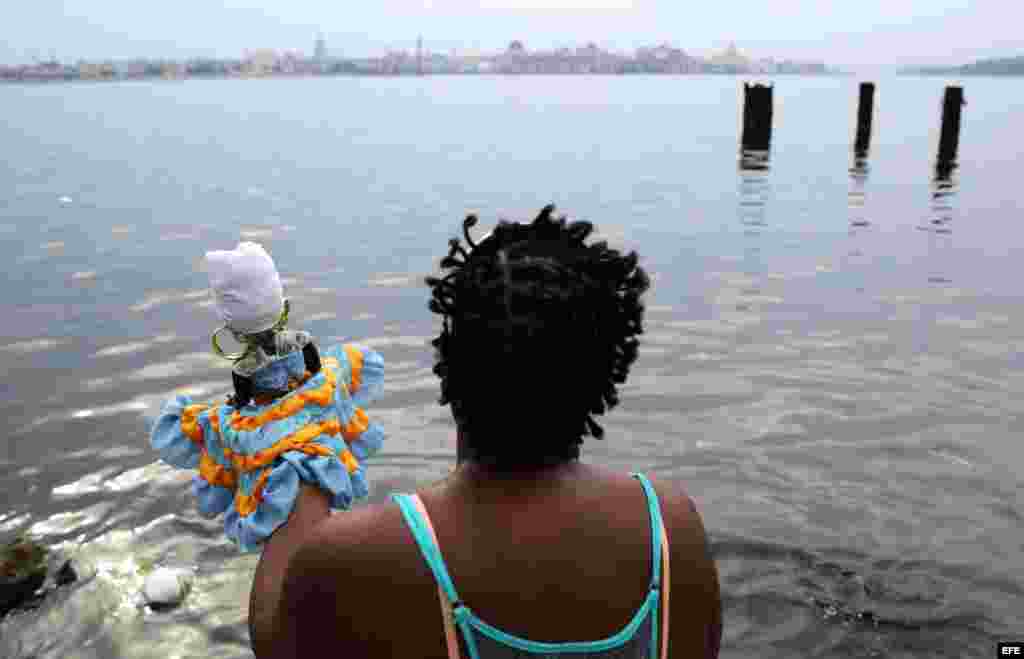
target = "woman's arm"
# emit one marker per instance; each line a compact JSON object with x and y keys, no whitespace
{"x":311,"y":508}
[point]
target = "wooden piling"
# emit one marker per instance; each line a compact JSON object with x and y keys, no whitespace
{"x":865,"y":114}
{"x":757,"y":117}
{"x":949,"y":140}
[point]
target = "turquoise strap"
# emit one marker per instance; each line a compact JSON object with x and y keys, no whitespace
{"x":431,"y":552}
{"x":655,"y":511}
{"x":463,"y":616}
{"x":656,"y":525}
{"x":466,"y":621}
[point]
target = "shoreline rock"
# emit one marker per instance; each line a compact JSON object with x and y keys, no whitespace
{"x":23,"y":570}
{"x":16,"y":593}
{"x":28,"y":571}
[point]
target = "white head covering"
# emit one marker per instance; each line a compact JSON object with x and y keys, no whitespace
{"x":247,"y":289}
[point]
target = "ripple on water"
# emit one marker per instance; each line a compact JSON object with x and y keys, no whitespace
{"x":821,"y":603}
{"x":392,"y":281}
{"x":34,"y":345}
{"x":323,"y":315}
{"x":256,"y":233}
{"x":179,"y":235}
{"x":123,"y":349}
{"x":403,"y":341}
{"x":194,"y":363}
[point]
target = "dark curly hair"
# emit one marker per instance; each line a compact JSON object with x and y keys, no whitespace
{"x":538,"y":330}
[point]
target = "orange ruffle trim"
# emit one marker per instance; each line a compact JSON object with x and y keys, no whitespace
{"x":321,"y":396}
{"x":190,"y":423}
{"x":301,"y":440}
{"x":355,"y":360}
{"x":216,"y":474}
{"x":247,"y":504}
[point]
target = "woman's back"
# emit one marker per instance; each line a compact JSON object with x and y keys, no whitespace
{"x":562,"y":555}
{"x":539,"y":328}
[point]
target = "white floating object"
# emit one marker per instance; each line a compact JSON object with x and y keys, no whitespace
{"x":166,"y":586}
{"x":65,"y":200}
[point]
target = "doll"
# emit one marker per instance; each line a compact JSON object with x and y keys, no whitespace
{"x":296,"y":414}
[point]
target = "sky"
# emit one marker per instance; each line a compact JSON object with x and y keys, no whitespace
{"x":856,"y":35}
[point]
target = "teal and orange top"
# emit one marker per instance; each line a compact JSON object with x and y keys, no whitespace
{"x":638,"y":639}
{"x":252,"y":460}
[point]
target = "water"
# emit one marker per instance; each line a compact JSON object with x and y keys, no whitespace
{"x":833,"y":373}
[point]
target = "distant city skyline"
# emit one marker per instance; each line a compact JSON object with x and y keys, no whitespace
{"x":319,"y":48}
{"x":515,"y":59}
{"x":855,"y":36}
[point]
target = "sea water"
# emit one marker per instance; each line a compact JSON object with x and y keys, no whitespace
{"x":831,"y":364}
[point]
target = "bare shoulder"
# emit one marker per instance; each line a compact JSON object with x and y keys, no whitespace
{"x":368,"y":536}
{"x":688,"y":539}
{"x":677,"y":507}
{"x":695,"y":603}
{"x":356,"y":574}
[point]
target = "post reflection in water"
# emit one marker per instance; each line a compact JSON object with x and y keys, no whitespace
{"x":857,"y":207}
{"x":753,"y":195}
{"x":944,"y":188}
{"x":944,"y":183}
{"x":940,"y":223}
{"x":753,"y":190}
{"x":857,"y":198}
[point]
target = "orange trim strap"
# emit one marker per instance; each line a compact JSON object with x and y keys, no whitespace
{"x":446,"y":608}
{"x":666,"y":583}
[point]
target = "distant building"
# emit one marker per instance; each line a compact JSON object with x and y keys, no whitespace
{"x":320,"y":50}
{"x":208,"y":67}
{"x":130,"y":70}
{"x":259,"y":62}
{"x":172,"y":71}
{"x":289,"y":63}
{"x":95,"y":71}
{"x":732,"y":59}
{"x":665,"y":59}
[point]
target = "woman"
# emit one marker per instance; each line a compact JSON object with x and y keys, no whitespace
{"x":524,"y":551}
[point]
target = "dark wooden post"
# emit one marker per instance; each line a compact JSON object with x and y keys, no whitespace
{"x":949,"y":141}
{"x":757,"y":117}
{"x":865,"y":113}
